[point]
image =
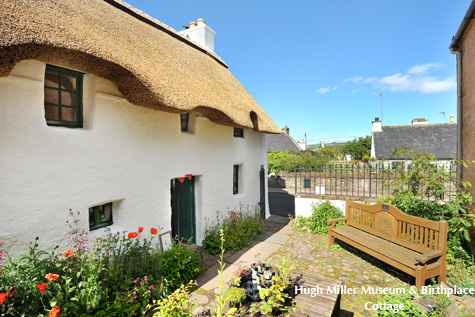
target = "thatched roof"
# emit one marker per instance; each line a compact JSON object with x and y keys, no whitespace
{"x":152,"y":65}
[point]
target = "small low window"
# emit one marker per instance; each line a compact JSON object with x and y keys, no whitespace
{"x":307,"y":183}
{"x":236,"y":178}
{"x":63,"y":97}
{"x":100,"y":216}
{"x":185,"y":122}
{"x":238,"y":132}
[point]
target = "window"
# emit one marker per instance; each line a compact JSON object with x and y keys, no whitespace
{"x":63,"y":97}
{"x":100,"y":216}
{"x":307,"y":183}
{"x":185,"y":121}
{"x":238,"y":132}
{"x":236,"y":178}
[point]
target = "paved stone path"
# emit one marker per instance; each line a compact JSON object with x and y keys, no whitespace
{"x":308,"y":253}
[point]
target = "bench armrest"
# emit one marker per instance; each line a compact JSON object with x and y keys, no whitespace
{"x":428,"y":256}
{"x":332,"y":222}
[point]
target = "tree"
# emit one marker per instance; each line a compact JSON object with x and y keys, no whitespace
{"x":359,"y":148}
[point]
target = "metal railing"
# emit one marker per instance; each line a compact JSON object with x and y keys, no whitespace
{"x":357,"y":181}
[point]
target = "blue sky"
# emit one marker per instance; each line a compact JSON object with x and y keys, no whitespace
{"x":319,"y":66}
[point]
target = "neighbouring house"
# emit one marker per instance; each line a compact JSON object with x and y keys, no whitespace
{"x":463,"y":46}
{"x":282,"y":142}
{"x":110,"y":112}
{"x":399,"y":143}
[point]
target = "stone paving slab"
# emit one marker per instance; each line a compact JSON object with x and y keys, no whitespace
{"x":259,"y":252}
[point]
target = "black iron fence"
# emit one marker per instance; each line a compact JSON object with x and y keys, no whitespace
{"x":357,"y":181}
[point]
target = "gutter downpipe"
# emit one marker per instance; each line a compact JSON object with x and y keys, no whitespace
{"x":458,"y":55}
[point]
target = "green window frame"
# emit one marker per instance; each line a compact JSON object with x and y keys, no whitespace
{"x":63,"y":93}
{"x":236,"y":168}
{"x":100,"y":216}
{"x":185,"y":121}
{"x":238,"y":133}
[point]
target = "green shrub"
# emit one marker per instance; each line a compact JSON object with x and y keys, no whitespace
{"x":411,"y":309}
{"x":239,"y":231}
{"x":462,"y":275}
{"x":179,"y":265}
{"x":290,"y":161}
{"x":121,"y":276}
{"x":234,"y":295}
{"x":318,"y":221}
{"x":176,"y":305}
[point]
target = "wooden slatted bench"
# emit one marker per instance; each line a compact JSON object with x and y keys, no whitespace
{"x":411,"y":244}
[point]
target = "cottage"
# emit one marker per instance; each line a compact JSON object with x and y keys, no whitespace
{"x":282,"y":142}
{"x":399,"y":143}
{"x":112,"y":113}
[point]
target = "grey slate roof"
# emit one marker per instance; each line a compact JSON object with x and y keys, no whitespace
{"x":439,"y":140}
{"x":281,"y":142}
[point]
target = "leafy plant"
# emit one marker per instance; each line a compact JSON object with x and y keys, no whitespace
{"x":291,"y":161}
{"x":176,"y":305}
{"x":318,"y":221}
{"x":238,"y":229}
{"x":234,"y":296}
{"x":358,"y":148}
{"x":120,"y":276}
{"x":179,"y":265}
{"x":462,"y":275}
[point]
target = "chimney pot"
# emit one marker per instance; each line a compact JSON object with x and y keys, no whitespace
{"x":419,"y":122}
{"x":200,"y":33}
{"x":377,"y":125}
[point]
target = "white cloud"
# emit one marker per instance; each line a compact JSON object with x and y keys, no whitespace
{"x":325,"y":90}
{"x":422,"y":84}
{"x":422,"y":68}
{"x":416,"y":79}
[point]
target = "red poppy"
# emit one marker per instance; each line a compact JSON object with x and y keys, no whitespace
{"x":181,"y":179}
{"x":42,"y":288}
{"x":132,"y":235}
{"x":52,"y":277}
{"x":3,"y":297}
{"x":140,"y":229}
{"x":55,"y":312}
{"x":189,"y":176}
{"x":153,"y":231}
{"x":68,"y":253}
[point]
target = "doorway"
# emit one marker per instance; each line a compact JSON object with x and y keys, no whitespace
{"x":183,"y":208}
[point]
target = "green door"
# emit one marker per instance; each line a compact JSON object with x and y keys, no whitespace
{"x":183,"y":209}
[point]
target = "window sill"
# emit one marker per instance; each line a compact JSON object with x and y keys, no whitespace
{"x":65,"y":125}
{"x":238,"y":195}
{"x":103,"y":226}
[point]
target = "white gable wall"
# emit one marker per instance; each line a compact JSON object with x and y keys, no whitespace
{"x":125,"y":153}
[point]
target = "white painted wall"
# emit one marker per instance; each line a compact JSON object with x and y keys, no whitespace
{"x":304,"y":205}
{"x":124,"y":153}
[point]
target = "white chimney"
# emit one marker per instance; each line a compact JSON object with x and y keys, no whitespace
{"x":416,"y":122}
{"x":200,"y":33}
{"x":377,"y":125}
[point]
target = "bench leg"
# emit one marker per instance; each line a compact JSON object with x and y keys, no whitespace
{"x":443,"y":273}
{"x":420,"y":280}
{"x":331,"y":240}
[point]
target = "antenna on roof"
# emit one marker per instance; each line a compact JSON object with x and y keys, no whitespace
{"x":380,"y":94}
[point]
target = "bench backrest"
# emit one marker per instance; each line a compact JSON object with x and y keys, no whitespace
{"x":390,"y":223}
